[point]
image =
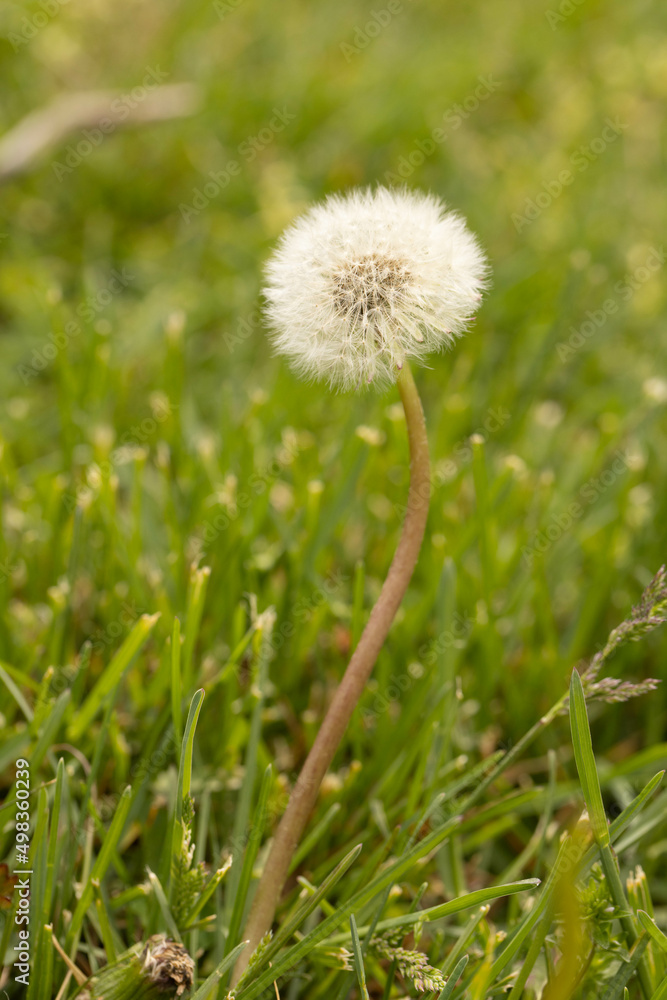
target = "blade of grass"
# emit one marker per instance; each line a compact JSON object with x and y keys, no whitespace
{"x":590,"y":784}
{"x":454,"y":977}
{"x":444,"y":909}
{"x":661,"y":992}
{"x":565,"y":857}
{"x":650,"y":925}
{"x":193,"y":615}
{"x":16,"y":693}
{"x":253,"y":841}
{"x":314,"y":836}
{"x":212,"y":981}
{"x":105,"y":923}
{"x":358,"y":958}
{"x":39,"y":907}
{"x":49,"y":729}
{"x":54,"y":835}
{"x":533,"y":952}
{"x":303,"y":911}
{"x":360,"y":899}
{"x":261,"y":649}
{"x":176,"y":681}
{"x":616,"y":984}
{"x":464,"y":940}
{"x":207,"y":892}
{"x":348,"y":980}
{"x":585,"y":760}
{"x":43,"y":970}
{"x":100,"y":867}
{"x":67,"y":885}
{"x":19,"y":676}
{"x":111,"y":675}
{"x":184,"y":783}
{"x":163,"y":903}
{"x":228,"y":669}
{"x":514,"y":942}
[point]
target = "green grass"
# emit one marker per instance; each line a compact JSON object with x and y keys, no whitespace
{"x":162,"y":466}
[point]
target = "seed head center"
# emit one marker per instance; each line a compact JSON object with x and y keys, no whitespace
{"x":369,"y":285}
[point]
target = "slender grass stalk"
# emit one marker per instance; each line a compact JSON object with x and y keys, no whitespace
{"x":358,"y":958}
{"x":454,"y":978}
{"x":352,"y":685}
{"x":590,"y":783}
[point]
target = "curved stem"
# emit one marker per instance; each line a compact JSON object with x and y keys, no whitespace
{"x":351,"y":687}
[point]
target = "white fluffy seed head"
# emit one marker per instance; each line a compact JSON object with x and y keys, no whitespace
{"x":363,"y":282}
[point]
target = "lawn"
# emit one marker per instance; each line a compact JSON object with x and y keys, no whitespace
{"x":180,"y":513}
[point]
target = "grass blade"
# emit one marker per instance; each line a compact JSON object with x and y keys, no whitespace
{"x":163,"y":903}
{"x":253,"y":841}
{"x":358,"y":958}
{"x":101,"y":865}
{"x":227,"y":963}
{"x":360,"y":899}
{"x":184,"y":783}
{"x":318,"y":831}
{"x":53,"y":834}
{"x":261,"y":649}
{"x":293,"y":923}
{"x":176,"y":681}
{"x":453,"y":979}
{"x":585,"y":760}
{"x":464,"y":940}
{"x":16,"y":693}
{"x":40,"y":908}
{"x":105,"y":923}
{"x":446,"y":909}
{"x":43,"y":970}
{"x":49,"y":729}
{"x":590,"y":783}
{"x":616,"y":984}
{"x":650,"y":925}
{"x":193,"y":614}
{"x":111,"y":675}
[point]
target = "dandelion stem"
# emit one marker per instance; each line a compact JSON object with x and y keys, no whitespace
{"x":304,"y":793}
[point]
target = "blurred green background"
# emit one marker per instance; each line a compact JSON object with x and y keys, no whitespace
{"x":165,"y":400}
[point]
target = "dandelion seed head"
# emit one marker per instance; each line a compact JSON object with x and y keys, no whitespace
{"x":363,"y":282}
